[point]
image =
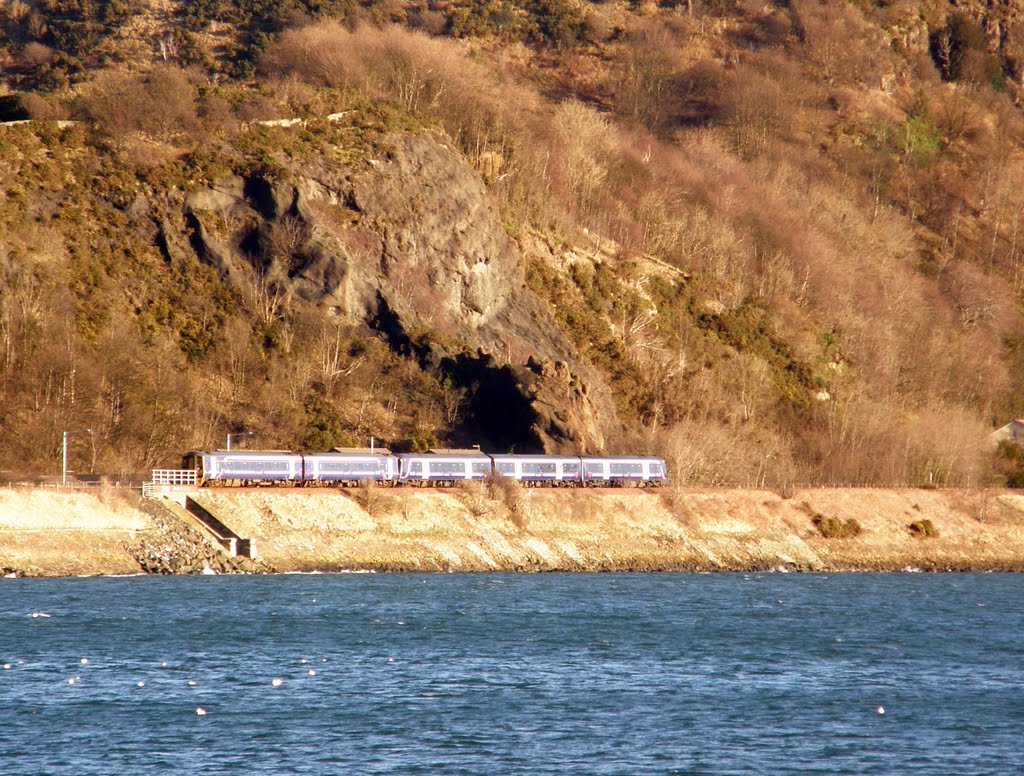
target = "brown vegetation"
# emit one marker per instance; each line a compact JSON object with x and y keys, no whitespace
{"x":788,"y":240}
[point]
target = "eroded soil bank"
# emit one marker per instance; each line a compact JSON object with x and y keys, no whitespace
{"x":46,"y":533}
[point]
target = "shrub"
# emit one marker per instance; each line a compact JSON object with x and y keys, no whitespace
{"x":921,"y":138}
{"x":960,"y":50}
{"x":371,"y":498}
{"x":673,"y":498}
{"x":923,"y":529}
{"x":161,"y":102}
{"x":835,"y":527}
{"x":474,"y":495}
{"x":510,"y":494}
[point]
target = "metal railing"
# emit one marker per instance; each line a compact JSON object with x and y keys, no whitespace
{"x":174,"y":477}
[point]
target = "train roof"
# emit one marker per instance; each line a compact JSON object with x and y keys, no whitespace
{"x":620,"y":458}
{"x":528,"y":456}
{"x":240,"y":452}
{"x":432,"y":456}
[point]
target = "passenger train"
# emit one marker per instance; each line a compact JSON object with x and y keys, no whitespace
{"x":439,"y":469}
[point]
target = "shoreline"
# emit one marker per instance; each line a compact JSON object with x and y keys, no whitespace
{"x":476,"y":529}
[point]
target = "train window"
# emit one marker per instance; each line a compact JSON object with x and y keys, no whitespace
{"x":594,"y":468}
{"x":416,"y":467}
{"x":481,"y":467}
{"x":505,"y":467}
{"x":538,"y":468}
{"x":627,"y":468}
{"x":447,"y":467}
{"x":570,"y":468}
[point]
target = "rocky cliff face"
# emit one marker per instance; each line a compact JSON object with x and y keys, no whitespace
{"x":409,"y":244}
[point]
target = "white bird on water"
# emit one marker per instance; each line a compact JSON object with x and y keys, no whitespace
{"x":276,"y":681}
{"x":200,"y":711}
{"x":880,"y":710}
{"x":36,"y":615}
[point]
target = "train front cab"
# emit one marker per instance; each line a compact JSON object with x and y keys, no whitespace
{"x":639,"y":471}
{"x":243,"y":468}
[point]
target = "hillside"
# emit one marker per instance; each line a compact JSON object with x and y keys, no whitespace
{"x":777,"y":244}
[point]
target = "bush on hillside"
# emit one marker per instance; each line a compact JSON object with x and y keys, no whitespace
{"x":923,"y":529}
{"x":835,"y":527}
{"x":160,"y":102}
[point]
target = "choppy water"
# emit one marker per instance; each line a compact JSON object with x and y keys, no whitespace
{"x":506,"y":674}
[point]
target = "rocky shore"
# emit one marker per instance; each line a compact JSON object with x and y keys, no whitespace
{"x":480,"y":528}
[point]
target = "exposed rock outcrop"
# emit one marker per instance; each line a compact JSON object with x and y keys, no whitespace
{"x":410,"y":243}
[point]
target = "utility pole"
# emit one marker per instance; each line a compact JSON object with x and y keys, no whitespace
{"x":64,"y":455}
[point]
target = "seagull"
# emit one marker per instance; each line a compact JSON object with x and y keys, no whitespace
{"x":36,"y":615}
{"x":200,"y":711}
{"x":277,"y":682}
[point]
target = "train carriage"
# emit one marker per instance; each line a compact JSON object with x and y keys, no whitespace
{"x":343,"y":468}
{"x":538,"y":469}
{"x":442,"y":469}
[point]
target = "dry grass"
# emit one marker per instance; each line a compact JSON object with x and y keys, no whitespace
{"x":476,"y":496}
{"x":28,"y":510}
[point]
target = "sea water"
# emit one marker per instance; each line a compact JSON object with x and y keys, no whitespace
{"x":513,"y":674}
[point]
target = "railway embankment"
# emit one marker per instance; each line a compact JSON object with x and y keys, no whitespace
{"x":47,"y":533}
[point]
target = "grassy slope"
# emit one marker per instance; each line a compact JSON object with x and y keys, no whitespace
{"x":472,"y":530}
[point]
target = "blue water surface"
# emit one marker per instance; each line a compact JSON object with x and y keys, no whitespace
{"x":513,"y":674}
